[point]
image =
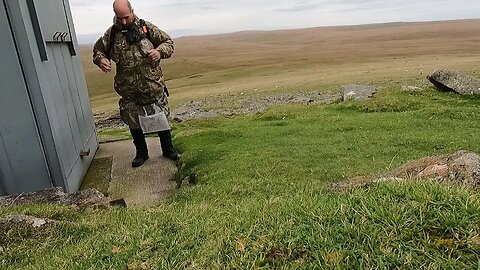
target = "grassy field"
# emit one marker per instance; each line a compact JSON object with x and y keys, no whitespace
{"x":305,"y":59}
{"x":260,"y":201}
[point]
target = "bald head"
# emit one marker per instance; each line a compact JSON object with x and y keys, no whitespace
{"x":121,"y":4}
{"x":123,"y":12}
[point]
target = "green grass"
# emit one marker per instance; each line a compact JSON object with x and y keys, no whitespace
{"x":114,"y":134}
{"x":260,"y":201}
{"x":98,"y":175}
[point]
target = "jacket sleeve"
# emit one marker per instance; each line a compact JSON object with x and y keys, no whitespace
{"x":101,"y":47}
{"x":161,"y":41}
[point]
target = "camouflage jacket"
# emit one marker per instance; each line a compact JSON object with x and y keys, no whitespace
{"x":138,"y":79}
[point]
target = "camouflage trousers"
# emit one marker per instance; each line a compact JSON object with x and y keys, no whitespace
{"x":130,"y":110}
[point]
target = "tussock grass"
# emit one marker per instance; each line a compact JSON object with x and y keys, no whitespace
{"x":260,"y":202}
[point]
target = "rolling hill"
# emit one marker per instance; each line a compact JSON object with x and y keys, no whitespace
{"x":261,"y":62}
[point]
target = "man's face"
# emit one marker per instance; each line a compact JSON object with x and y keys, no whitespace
{"x":125,"y":18}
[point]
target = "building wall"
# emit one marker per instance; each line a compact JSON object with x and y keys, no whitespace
{"x":22,"y":164}
{"x":53,"y":98}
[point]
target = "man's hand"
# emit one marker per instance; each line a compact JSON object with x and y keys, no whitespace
{"x":105,"y":65}
{"x":154,"y":54}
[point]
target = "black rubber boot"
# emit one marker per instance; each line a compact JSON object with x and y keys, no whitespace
{"x":140,"y":146}
{"x":168,"y":150}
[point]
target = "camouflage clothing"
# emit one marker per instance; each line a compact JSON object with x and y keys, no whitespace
{"x":139,"y":79}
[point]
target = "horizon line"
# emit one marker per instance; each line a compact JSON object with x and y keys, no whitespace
{"x":301,"y":28}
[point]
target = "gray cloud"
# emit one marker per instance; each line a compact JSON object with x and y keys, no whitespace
{"x":85,"y":3}
{"x":192,"y":4}
{"x":216,"y":16}
{"x":300,"y":5}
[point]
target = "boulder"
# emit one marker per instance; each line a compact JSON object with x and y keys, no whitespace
{"x":451,"y":81}
{"x":462,"y":167}
{"x":358,"y":92}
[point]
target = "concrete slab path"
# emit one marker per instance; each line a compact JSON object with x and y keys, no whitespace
{"x":145,"y":186}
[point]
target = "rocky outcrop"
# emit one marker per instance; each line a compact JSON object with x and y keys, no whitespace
{"x":247,"y":105}
{"x":24,"y":221}
{"x":451,"y":81}
{"x":462,"y":167}
{"x":84,"y":198}
{"x":358,"y":92}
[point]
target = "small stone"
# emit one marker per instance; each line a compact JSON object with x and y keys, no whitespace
{"x":435,"y":170}
{"x":411,"y":88}
{"x":39,"y":223}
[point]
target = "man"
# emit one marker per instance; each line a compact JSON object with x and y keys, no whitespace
{"x":136,"y":47}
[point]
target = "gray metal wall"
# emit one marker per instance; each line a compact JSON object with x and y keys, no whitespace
{"x":55,"y":88}
{"x":2,"y":190}
{"x":22,"y":161}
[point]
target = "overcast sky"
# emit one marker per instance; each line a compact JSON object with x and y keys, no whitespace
{"x":193,"y":17}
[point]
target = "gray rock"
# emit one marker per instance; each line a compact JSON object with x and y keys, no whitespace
{"x":462,"y":167}
{"x":84,"y":198}
{"x":358,"y":92}
{"x":451,"y":81}
{"x":51,"y":195}
{"x":246,"y":105}
{"x":25,"y":221}
{"x":411,"y":88}
{"x":104,"y":121}
{"x":88,"y":197}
